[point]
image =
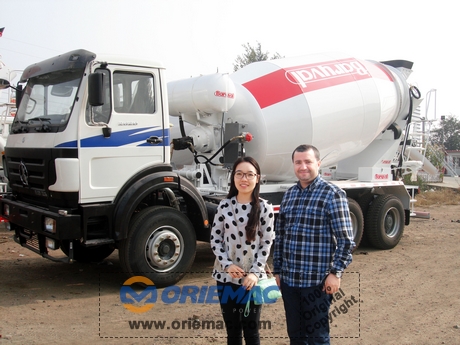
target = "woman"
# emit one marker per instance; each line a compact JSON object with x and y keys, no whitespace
{"x":241,"y":237}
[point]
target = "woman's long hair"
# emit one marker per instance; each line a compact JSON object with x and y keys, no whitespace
{"x":253,"y":220}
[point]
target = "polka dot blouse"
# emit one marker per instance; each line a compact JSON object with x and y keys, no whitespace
{"x":229,"y":243}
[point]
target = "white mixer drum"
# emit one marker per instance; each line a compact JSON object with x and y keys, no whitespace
{"x":335,"y":102}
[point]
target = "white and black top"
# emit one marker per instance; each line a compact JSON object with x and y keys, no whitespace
{"x":229,"y":243}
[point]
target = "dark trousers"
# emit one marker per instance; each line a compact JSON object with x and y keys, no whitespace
{"x":233,"y":313}
{"x":307,"y":311}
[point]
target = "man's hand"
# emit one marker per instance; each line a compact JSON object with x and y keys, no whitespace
{"x":278,"y":281}
{"x":332,"y":284}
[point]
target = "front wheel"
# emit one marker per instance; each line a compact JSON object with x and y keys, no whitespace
{"x":385,"y":222}
{"x":161,"y":245}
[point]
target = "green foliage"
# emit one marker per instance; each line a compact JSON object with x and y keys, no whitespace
{"x":435,"y":154}
{"x":252,"y":54}
{"x":448,"y":133}
{"x":420,"y":183}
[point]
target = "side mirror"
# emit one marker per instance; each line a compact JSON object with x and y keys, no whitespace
{"x":95,"y":89}
{"x":4,"y":84}
{"x":6,"y":76}
{"x":106,"y":132}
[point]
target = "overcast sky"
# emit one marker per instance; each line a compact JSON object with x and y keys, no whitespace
{"x":193,"y":37}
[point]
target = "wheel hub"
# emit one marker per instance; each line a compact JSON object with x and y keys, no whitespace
{"x":163,"y":249}
{"x":354,"y":224}
{"x":391,"y":221}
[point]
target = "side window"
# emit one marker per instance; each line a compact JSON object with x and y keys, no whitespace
{"x":101,"y":113}
{"x":133,"y":93}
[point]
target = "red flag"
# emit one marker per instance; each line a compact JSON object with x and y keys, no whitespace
{"x":1,"y":31}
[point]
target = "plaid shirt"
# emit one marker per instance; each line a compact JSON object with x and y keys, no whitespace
{"x":313,"y":233}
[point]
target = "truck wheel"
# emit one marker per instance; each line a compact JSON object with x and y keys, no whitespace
{"x":122,"y":246}
{"x":385,"y":222}
{"x":357,"y":221}
{"x":87,"y":254}
{"x":161,"y":245}
{"x":364,"y":202}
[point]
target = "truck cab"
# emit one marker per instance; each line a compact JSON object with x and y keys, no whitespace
{"x":88,"y":151}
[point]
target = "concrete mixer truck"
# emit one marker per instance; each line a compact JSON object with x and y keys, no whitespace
{"x":102,"y":157}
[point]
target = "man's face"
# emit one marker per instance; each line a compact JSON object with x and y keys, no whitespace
{"x":306,"y":167}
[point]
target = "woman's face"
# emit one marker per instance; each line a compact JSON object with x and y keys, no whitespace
{"x":245,"y":178}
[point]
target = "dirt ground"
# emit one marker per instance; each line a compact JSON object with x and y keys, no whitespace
{"x":407,"y":295}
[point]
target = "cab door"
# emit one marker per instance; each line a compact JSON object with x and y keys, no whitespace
{"x":113,"y":137}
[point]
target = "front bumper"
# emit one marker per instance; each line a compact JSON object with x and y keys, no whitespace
{"x":25,"y":216}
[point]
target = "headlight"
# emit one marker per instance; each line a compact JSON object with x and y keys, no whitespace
{"x":50,"y":244}
{"x":50,"y":225}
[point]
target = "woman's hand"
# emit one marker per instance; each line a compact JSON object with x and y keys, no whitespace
{"x":250,"y":281}
{"x":235,"y":272}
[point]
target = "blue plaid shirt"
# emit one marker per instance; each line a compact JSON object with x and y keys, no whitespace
{"x":313,"y":234}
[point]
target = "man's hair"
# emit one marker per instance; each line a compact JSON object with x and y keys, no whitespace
{"x":304,"y":148}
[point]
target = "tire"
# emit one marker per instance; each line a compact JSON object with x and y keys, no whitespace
{"x":122,"y":245}
{"x":87,"y":254}
{"x":365,"y":202}
{"x":357,"y":221}
{"x":168,"y":230}
{"x":385,"y":222}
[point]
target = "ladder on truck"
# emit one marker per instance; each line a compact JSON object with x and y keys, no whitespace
{"x":412,"y":152}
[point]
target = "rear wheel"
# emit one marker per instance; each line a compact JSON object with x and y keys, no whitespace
{"x":365,"y":202}
{"x":385,"y":222}
{"x":357,"y":221}
{"x":161,"y":245}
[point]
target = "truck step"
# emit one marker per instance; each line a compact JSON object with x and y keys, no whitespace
{"x":98,"y":242}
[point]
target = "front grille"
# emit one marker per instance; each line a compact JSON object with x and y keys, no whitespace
{"x":27,"y":172}
{"x":32,"y":171}
{"x":33,"y":242}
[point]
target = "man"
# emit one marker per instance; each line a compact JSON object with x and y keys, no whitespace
{"x":313,"y":246}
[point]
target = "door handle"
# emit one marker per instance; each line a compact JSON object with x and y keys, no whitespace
{"x":154,"y":140}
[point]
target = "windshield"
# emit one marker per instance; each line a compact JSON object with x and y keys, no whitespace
{"x":47,"y":102}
